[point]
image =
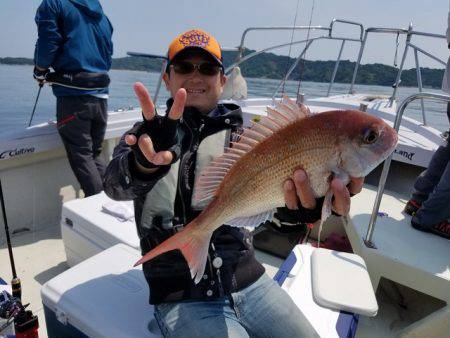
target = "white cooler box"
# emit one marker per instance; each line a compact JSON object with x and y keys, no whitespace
{"x":87,"y":228}
{"x":294,"y":276}
{"x":100,"y":297}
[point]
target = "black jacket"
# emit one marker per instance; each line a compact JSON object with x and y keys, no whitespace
{"x":168,"y":275}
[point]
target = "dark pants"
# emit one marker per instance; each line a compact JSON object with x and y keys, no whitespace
{"x":82,"y":125}
{"x":432,"y":187}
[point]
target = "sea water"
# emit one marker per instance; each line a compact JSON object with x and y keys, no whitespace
{"x":18,"y":91}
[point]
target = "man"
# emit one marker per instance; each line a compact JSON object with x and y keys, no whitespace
{"x":74,"y":38}
{"x":155,"y":164}
{"x":429,"y":204}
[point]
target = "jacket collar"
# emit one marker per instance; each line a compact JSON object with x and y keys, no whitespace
{"x":229,"y":114}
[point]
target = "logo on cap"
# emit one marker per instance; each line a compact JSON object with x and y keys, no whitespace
{"x":194,"y":38}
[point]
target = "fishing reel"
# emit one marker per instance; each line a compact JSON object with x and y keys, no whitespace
{"x":12,"y":311}
{"x":9,"y":308}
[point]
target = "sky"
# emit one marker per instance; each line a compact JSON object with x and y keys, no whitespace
{"x":149,"y":25}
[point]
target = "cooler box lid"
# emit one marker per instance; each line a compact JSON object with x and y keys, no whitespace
{"x":103,"y":296}
{"x":89,"y":217}
{"x":294,"y":276}
{"x":340,"y":281}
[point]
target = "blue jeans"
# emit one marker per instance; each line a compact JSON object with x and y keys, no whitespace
{"x":432,"y":189}
{"x":262,"y":309}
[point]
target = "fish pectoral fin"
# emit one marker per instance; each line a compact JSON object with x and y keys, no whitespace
{"x":192,"y":244}
{"x":341,"y":174}
{"x":252,"y":221}
{"x":326,"y":210}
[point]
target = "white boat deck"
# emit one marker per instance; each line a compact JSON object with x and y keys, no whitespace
{"x":419,"y":260}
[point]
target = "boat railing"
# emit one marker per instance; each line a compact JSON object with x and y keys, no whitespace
{"x":408,"y":44}
{"x":362,"y":40}
{"x":308,"y":42}
{"x":387,"y":163}
{"x":163,"y":69}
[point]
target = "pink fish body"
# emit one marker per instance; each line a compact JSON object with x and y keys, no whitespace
{"x":248,"y":178}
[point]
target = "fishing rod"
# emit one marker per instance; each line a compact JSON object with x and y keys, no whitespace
{"x":290,"y":48}
{"x":15,"y":282}
{"x":26,"y":324}
{"x":80,"y":81}
{"x":303,"y":62}
{"x":41,"y":84}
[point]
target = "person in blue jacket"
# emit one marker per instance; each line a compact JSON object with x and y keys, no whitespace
{"x":74,"y":39}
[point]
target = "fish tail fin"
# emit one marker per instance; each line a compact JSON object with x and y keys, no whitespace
{"x":193,"y":245}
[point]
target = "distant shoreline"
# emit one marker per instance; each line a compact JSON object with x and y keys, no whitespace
{"x":272,"y":66}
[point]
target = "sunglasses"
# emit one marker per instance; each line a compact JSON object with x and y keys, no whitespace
{"x":206,"y":68}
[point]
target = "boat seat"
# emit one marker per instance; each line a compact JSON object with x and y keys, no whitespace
{"x":87,"y":228}
{"x":103,"y":296}
{"x":403,"y":254}
{"x":294,"y":276}
{"x":340,"y":281}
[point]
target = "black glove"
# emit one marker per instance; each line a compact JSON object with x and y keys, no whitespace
{"x":301,"y":216}
{"x":39,"y":75}
{"x":164,"y":134}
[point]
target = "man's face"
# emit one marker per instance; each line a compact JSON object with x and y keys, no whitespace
{"x":203,"y":91}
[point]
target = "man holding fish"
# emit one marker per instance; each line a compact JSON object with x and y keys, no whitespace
{"x":204,"y":279}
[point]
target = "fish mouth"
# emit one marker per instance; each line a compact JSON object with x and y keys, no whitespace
{"x":391,"y":137}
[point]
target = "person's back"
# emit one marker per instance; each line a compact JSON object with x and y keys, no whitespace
{"x":74,"y":38}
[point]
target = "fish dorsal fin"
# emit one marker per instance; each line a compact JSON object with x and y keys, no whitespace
{"x":283,"y":114}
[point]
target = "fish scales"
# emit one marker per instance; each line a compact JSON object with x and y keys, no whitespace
{"x":258,"y":177}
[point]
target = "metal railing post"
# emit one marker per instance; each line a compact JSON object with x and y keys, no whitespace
{"x":419,"y":83}
{"x":158,"y":84}
{"x":163,"y":69}
{"x":335,"y":68}
{"x":399,"y":73}
{"x":371,"y":227}
{"x":291,"y":69}
{"x":355,"y":71}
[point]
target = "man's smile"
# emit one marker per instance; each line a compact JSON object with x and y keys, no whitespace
{"x":195,"y":91}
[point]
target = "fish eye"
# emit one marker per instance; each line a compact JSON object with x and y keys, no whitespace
{"x":370,"y":136}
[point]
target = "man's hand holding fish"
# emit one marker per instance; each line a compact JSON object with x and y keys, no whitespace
{"x":298,"y":190}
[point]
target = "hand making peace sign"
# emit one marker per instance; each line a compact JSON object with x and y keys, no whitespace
{"x":154,"y":141}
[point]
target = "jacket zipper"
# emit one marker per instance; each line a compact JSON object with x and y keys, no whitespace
{"x":180,"y":176}
{"x":180,"y":170}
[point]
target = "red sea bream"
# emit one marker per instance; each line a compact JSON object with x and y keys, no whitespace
{"x":248,"y":178}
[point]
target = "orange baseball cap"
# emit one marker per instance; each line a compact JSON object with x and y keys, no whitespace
{"x":195,"y":38}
